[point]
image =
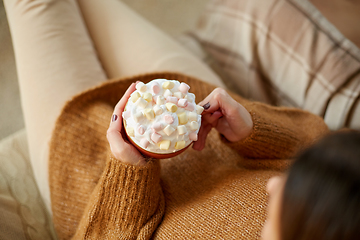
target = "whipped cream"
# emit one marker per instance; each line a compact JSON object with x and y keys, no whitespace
{"x":162,"y":116}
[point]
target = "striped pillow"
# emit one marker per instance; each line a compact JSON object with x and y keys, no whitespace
{"x":283,"y":52}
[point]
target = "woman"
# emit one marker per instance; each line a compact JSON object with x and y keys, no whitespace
{"x":325,"y":175}
{"x":62,"y":48}
{"x":107,"y":189}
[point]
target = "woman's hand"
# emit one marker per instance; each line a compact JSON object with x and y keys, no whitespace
{"x":121,"y":148}
{"x":225,"y":114}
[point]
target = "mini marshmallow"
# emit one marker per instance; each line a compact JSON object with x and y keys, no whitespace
{"x":168,"y":130}
{"x":199,"y":109}
{"x":160,"y":100}
{"x":190,"y":107}
{"x":193,"y":136}
{"x":144,"y":143}
{"x":171,"y":107}
{"x":163,"y":107}
{"x":192,"y":116}
{"x":138,"y":116}
{"x":157,"y":127}
{"x":156,"y":137}
{"x":173,"y":100}
{"x":126,"y":114}
{"x":180,"y":145}
{"x":189,"y":97}
{"x":147,"y":96}
{"x":180,"y":110}
{"x":135,"y":96}
{"x":149,"y":113}
{"x":158,"y":110}
{"x":182,"y":102}
{"x":145,"y":121}
{"x":155,"y":88}
{"x":183,"y":118}
{"x":130,"y":131}
{"x":168,"y":85}
{"x":141,"y":102}
{"x":178,"y":94}
{"x":141,"y":87}
{"x":167,"y":93}
{"x":141,"y":129}
{"x":164,"y":145}
{"x":181,"y":129}
{"x":184,"y":88}
{"x":194,"y":125}
{"x":168,"y":119}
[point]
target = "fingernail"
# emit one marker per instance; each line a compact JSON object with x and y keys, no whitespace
{"x":114,"y":118}
{"x":206,"y":106}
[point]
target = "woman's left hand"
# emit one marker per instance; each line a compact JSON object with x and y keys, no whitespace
{"x":224,"y":114}
{"x":120,"y":147}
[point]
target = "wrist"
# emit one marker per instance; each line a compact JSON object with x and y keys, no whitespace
{"x":130,"y":158}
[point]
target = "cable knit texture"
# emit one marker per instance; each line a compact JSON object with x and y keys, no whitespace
{"x":218,"y":193}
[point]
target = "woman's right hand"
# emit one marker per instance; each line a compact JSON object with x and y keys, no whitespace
{"x":224,"y":114}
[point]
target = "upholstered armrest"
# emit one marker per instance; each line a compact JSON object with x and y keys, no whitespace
{"x":23,"y":214}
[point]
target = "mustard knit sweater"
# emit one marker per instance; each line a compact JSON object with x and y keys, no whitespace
{"x":218,"y":193}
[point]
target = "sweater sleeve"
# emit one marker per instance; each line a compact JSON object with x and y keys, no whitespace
{"x":127,"y":203}
{"x":278,"y":132}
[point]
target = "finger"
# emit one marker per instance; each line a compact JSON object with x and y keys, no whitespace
{"x":114,"y":132}
{"x":120,"y":147}
{"x":203,"y":132}
{"x":212,"y":117}
{"x":223,"y":126}
{"x":117,"y":144}
{"x":119,"y":108}
{"x":210,"y":98}
{"x":197,"y":144}
{"x":235,"y":133}
{"x":219,"y":100}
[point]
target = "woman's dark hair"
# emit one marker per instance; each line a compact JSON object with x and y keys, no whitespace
{"x":322,"y":193}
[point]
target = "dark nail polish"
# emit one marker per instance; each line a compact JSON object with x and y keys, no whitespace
{"x":206,"y":106}
{"x":114,"y":118}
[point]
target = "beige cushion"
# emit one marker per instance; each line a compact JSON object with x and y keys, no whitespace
{"x":22,"y":212}
{"x":283,"y":52}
